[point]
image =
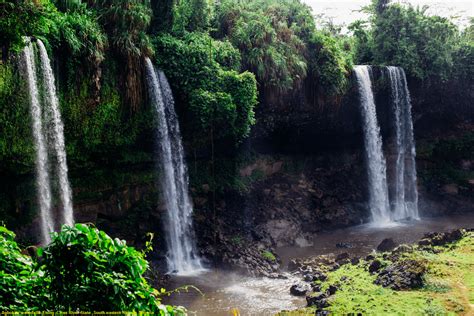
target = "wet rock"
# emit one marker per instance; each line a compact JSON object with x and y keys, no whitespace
{"x":369,"y":257}
{"x":375,"y":266}
{"x":299,"y":289}
{"x":319,"y":300}
{"x":402,"y":275}
{"x":386,"y":245}
{"x":344,"y":245}
{"x":355,"y":261}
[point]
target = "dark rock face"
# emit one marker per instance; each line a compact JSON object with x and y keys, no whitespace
{"x":289,"y":207}
{"x":246,"y":256}
{"x":299,"y":289}
{"x":402,"y":275}
{"x":386,"y":245}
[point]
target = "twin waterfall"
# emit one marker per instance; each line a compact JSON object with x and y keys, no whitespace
{"x":376,"y":166}
{"x":406,"y":193}
{"x":182,"y":256}
{"x":48,"y":135}
{"x":405,"y":197}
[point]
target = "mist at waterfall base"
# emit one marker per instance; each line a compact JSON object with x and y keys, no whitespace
{"x":182,"y":254}
{"x":48,"y":138}
{"x":404,"y":204}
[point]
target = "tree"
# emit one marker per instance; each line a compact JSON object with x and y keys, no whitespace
{"x":421,"y":44}
{"x":126,"y":23}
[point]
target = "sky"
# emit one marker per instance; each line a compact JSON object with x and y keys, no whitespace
{"x":345,"y":11}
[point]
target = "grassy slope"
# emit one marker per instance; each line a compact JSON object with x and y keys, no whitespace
{"x":449,"y":287}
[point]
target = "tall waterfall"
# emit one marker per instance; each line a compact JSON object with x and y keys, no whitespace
{"x":406,"y":193}
{"x":47,"y":128}
{"x":41,"y":159}
{"x":376,"y":164}
{"x":57,"y":134}
{"x":182,"y":256}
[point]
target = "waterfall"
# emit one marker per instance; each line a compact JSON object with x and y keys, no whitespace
{"x":57,"y":135}
{"x":41,"y":159}
{"x":182,"y":255}
{"x":47,"y":128}
{"x":376,"y":165}
{"x":406,"y":193}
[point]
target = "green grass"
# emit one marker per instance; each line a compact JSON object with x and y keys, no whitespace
{"x":448,"y":289}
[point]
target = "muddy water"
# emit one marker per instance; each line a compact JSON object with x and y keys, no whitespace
{"x":223,"y":292}
{"x":361,"y":240}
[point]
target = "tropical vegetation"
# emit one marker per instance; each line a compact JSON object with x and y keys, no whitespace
{"x":82,"y":269}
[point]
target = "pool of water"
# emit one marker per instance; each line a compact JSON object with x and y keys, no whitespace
{"x":223,"y":292}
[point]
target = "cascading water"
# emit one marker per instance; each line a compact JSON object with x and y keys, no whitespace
{"x":182,"y":256}
{"x":41,"y":160}
{"x":406,"y":193}
{"x":57,"y":134}
{"x":46,"y":121}
{"x":376,"y":164}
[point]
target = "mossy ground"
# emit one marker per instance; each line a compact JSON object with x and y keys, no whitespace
{"x":448,"y":288}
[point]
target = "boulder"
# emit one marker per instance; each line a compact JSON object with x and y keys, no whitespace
{"x":294,"y":264}
{"x":386,"y":245}
{"x":332,"y":289}
{"x":342,"y":256}
{"x":369,"y":257}
{"x":402,"y":275}
{"x":375,"y":266}
{"x":440,"y":239}
{"x":299,"y":289}
{"x":318,"y":300}
{"x":355,"y":261}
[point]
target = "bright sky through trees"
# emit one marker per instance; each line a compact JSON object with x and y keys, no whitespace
{"x":345,"y":11}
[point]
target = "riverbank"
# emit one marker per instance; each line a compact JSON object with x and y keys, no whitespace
{"x":433,"y":277}
{"x":225,"y":290}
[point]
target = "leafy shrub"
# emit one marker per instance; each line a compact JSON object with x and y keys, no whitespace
{"x":82,"y":269}
{"x":22,"y":286}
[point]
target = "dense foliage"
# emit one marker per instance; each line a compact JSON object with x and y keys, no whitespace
{"x":203,"y":73}
{"x":428,"y":47}
{"x":280,"y":44}
{"x":22,"y":285}
{"x":82,"y":269}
